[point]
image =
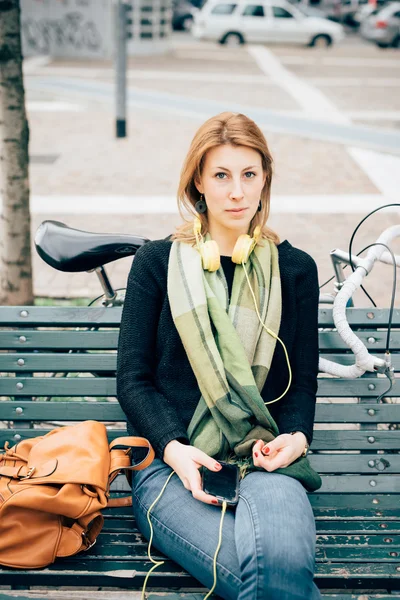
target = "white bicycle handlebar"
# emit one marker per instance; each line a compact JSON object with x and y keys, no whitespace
{"x":364,"y":361}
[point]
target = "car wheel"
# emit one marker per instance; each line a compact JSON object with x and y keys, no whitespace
{"x":382,"y":45}
{"x":187,"y":23}
{"x":396,"y":42}
{"x":232,"y":39}
{"x":321,"y":41}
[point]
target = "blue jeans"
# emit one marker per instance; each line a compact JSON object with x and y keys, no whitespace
{"x":268,"y":541}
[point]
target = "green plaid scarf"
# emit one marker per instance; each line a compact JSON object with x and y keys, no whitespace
{"x":230,"y":352}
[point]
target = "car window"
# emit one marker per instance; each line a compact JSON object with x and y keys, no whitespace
{"x":397,"y":14}
{"x":253,"y":10}
{"x":281,"y":13}
{"x":223,"y":9}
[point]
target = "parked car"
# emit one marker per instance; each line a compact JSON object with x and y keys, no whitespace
{"x":383,"y":28}
{"x":182,"y":13}
{"x":275,"y":21}
{"x":364,"y":12}
{"x":343,"y":11}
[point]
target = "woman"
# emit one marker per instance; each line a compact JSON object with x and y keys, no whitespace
{"x":167,"y":388}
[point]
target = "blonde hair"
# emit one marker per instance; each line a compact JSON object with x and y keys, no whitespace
{"x":225,"y":128}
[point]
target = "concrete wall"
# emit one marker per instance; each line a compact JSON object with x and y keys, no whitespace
{"x":84,"y":28}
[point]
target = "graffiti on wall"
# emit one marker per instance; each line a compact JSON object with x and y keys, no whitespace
{"x":66,"y":27}
{"x":72,"y":30}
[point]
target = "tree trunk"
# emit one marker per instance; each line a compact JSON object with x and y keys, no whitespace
{"x":15,"y":222}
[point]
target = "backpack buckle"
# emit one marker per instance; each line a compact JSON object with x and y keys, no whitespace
{"x":30,"y":473}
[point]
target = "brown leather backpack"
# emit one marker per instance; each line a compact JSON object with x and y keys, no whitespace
{"x":53,"y":487}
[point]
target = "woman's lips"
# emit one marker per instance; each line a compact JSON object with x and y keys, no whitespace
{"x":237,"y":211}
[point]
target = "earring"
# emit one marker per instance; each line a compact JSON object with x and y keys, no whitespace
{"x":259,"y":206}
{"x":201,"y":205}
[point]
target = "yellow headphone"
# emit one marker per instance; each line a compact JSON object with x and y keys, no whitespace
{"x":209,"y":250}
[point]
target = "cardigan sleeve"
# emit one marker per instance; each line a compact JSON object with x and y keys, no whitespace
{"x":145,"y":407}
{"x":297,"y":410}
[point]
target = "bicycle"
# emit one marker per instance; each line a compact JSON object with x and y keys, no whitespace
{"x":72,"y":250}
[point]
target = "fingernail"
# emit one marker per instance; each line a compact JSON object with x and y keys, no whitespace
{"x":256,"y":454}
{"x":218,"y":466}
{"x":214,"y":501}
{"x":265,"y":450}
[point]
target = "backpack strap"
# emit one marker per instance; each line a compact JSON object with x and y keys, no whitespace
{"x":120,"y":450}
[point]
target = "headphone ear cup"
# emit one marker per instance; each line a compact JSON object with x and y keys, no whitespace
{"x":243,"y":248}
{"x":210,"y":255}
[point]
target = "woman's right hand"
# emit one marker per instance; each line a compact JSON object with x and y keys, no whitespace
{"x":186,"y":462}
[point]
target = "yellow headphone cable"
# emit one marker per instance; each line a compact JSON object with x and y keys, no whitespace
{"x":224,"y":505}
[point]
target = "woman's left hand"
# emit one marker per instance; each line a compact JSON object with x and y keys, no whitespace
{"x":283,"y":450}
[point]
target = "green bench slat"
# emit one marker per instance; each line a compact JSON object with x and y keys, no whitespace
{"x":58,"y":386}
{"x":124,"y":546}
{"x":63,"y":316}
{"x":131,"y":573}
{"x":7,"y":595}
{"x":331,"y":340}
{"x":58,"y":362}
{"x":108,"y":339}
{"x":106,"y":317}
{"x":59,"y":340}
{"x":106,"y":386}
{"x":111,"y":411}
{"x":334,"y":527}
{"x":352,"y":505}
{"x":355,"y":463}
{"x":36,"y":595}
{"x":324,"y":439}
{"x":343,"y":484}
{"x":98,"y":361}
{"x":361,"y":317}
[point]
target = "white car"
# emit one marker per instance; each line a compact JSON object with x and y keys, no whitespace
{"x":275,"y":21}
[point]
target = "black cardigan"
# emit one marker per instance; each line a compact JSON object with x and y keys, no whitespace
{"x":156,"y":386}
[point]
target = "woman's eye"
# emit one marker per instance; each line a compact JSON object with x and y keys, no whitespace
{"x":218,"y":175}
{"x":251,"y":174}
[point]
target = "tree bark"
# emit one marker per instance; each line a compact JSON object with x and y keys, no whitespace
{"x":15,"y":221}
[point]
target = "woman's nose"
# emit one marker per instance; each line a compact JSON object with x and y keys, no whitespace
{"x":237,"y":190}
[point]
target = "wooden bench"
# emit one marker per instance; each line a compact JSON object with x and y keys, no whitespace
{"x":355,"y":448}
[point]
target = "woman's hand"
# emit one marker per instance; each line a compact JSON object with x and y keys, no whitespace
{"x":186,"y":462}
{"x":282,"y":451}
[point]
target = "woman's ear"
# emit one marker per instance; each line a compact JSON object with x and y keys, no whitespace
{"x":198,"y":185}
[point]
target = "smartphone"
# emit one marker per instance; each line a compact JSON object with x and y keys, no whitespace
{"x":223,"y":484}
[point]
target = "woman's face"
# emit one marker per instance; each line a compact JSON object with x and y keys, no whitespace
{"x":231,"y":181}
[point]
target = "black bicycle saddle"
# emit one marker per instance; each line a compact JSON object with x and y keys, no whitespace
{"x":72,"y":250}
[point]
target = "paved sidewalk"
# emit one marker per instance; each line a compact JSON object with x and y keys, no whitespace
{"x":75,"y":153}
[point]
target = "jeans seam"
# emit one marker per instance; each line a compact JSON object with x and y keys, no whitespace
{"x":189,"y":544}
{"x":246,"y":502}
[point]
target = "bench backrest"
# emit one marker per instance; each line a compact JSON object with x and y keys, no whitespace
{"x":356,"y":440}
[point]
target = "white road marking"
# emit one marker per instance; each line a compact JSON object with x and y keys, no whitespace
{"x":340,"y":61}
{"x":36,"y":106}
{"x":382,"y":169}
{"x":313,"y":102}
{"x":306,"y":204}
{"x":372,"y":115}
{"x":354,"y":81}
{"x":150,"y":75}
{"x":218,"y":55}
